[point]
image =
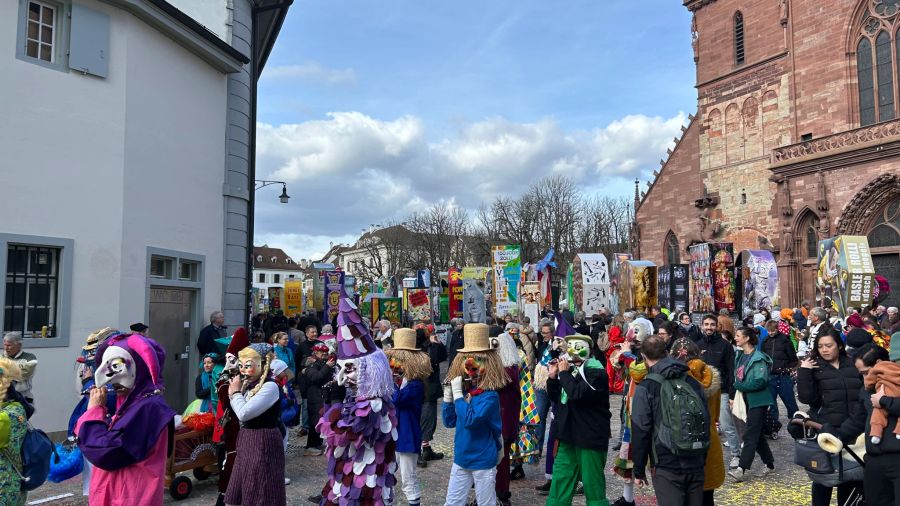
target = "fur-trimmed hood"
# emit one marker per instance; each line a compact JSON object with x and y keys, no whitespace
{"x":707,"y":375}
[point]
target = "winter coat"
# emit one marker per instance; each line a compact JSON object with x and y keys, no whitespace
{"x":719,"y":353}
{"x":692,"y":332}
{"x":437,"y":352}
{"x":408,"y":403}
{"x":855,"y":425}
{"x":832,"y":393}
{"x":708,"y":377}
{"x":753,"y":379}
{"x":583,"y":419}
{"x":645,"y":412}
{"x":780,"y":349}
{"x":317,"y":373}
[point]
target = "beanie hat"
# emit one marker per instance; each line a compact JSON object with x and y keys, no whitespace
{"x":758,"y":319}
{"x":858,"y":337}
{"x":855,"y":320}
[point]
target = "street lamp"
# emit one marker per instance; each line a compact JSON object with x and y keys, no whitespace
{"x":284,"y":197}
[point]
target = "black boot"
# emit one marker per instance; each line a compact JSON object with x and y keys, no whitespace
{"x":430,"y":454}
{"x":421,"y":461}
{"x":517,"y":473}
{"x":315,"y":498}
{"x":545,"y":488}
{"x":220,"y":500}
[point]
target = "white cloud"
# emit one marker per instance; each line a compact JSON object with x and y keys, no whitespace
{"x":311,"y":71}
{"x":350,"y":170}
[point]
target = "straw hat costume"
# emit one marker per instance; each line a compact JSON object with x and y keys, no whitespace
{"x":406,"y":360}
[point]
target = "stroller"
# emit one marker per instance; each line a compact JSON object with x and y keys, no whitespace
{"x":826,"y":459}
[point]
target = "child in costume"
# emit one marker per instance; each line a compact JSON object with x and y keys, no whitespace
{"x":579,"y":385}
{"x":510,"y":405}
{"x":472,"y":406}
{"x":410,"y":367}
{"x":128,"y":450}
{"x":258,"y":475}
{"x":225,"y":432}
{"x":360,"y":433}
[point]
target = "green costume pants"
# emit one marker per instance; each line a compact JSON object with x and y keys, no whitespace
{"x":572,"y":465}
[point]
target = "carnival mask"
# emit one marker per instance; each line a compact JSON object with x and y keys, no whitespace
{"x":116,"y":369}
{"x":396,"y":370}
{"x":578,"y":351}
{"x":348,"y":373}
{"x":250,"y":368}
{"x":231,"y":362}
{"x":474,"y":368}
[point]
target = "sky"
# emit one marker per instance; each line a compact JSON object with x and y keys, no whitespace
{"x":373,"y":109}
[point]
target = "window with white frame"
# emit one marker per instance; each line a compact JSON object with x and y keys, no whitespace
{"x":40,"y":34}
{"x":262,"y":277}
{"x":32,"y":290}
{"x":277,"y":278}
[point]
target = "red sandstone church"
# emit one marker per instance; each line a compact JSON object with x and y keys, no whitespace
{"x":796,"y":137}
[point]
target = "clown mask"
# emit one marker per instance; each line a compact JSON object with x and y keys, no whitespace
{"x":578,"y":350}
{"x":116,"y":369}
{"x":348,"y":372}
{"x":474,"y":370}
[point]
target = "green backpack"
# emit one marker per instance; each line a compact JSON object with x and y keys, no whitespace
{"x":682,"y":427}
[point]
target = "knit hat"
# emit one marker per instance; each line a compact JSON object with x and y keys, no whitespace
{"x":353,"y":337}
{"x":855,"y":320}
{"x":858,"y":337}
{"x":895,"y":350}
{"x":239,"y":341}
{"x":278,"y":366}
{"x":759,"y":318}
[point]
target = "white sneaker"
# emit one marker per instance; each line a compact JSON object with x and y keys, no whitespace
{"x":740,"y":474}
{"x":727,"y":444}
{"x":287,"y":481}
{"x":735,"y":462}
{"x":767,"y":471}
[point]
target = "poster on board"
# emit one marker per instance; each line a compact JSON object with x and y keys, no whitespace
{"x":590,"y":283}
{"x":386,"y":308}
{"x":507,"y":270}
{"x":293,"y":297}
{"x":418,"y":304}
{"x":757,"y":281}
{"x":334,"y":285}
{"x":712,"y":278}
{"x":845,"y":276}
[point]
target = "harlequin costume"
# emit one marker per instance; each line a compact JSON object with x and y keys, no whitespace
{"x":129,"y":449}
{"x":361,"y":432}
{"x":525,"y":449}
{"x":472,"y":407}
{"x":225,"y":432}
{"x":410,"y":367}
{"x":582,"y":425}
{"x":258,"y":475}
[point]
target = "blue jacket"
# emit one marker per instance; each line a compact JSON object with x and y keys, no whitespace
{"x":408,"y":402}
{"x":478,"y":430}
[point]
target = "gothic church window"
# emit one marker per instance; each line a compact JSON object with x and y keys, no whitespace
{"x":886,"y":231}
{"x":738,"y":38}
{"x":673,"y":254}
{"x":876,"y":60}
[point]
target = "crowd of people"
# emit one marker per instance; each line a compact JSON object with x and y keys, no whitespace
{"x":699,"y":402}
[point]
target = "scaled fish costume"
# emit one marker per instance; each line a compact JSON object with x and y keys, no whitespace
{"x":361,"y":433}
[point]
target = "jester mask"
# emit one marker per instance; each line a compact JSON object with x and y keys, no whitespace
{"x":578,"y":350}
{"x":117,"y":369}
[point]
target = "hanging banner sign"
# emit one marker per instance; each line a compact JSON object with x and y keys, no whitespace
{"x":507,"y":268}
{"x":334,"y":285}
{"x":846,"y":274}
{"x":387,"y":308}
{"x":418,"y":304}
{"x":293,"y":297}
{"x":454,"y":293}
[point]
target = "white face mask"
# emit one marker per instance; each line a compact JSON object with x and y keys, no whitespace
{"x":348,"y":372}
{"x":231,"y":362}
{"x":117,"y":369}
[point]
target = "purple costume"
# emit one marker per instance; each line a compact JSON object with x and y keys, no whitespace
{"x":360,"y":433}
{"x":129,"y":449}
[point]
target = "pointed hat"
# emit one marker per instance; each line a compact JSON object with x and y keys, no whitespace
{"x":239,"y":341}
{"x":353,"y":338}
{"x":563,"y":328}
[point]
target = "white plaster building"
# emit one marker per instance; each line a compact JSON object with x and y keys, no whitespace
{"x":127,"y":177}
{"x":272,"y":266}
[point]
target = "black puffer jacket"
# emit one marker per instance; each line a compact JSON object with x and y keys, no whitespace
{"x":718,"y":353}
{"x":832,"y":393}
{"x":781,"y":351}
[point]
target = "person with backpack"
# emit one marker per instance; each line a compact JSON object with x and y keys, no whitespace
{"x":13,"y":417}
{"x":670,"y":428}
{"x":751,"y":381}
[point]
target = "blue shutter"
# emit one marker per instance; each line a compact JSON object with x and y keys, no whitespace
{"x":89,"y":41}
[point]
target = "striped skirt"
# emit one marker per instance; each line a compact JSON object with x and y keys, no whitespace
{"x":258,"y":475}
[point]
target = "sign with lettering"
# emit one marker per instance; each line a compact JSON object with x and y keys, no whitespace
{"x":846,"y":275}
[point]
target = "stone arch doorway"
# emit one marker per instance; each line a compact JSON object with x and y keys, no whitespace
{"x":875,"y":213}
{"x":805,"y":252}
